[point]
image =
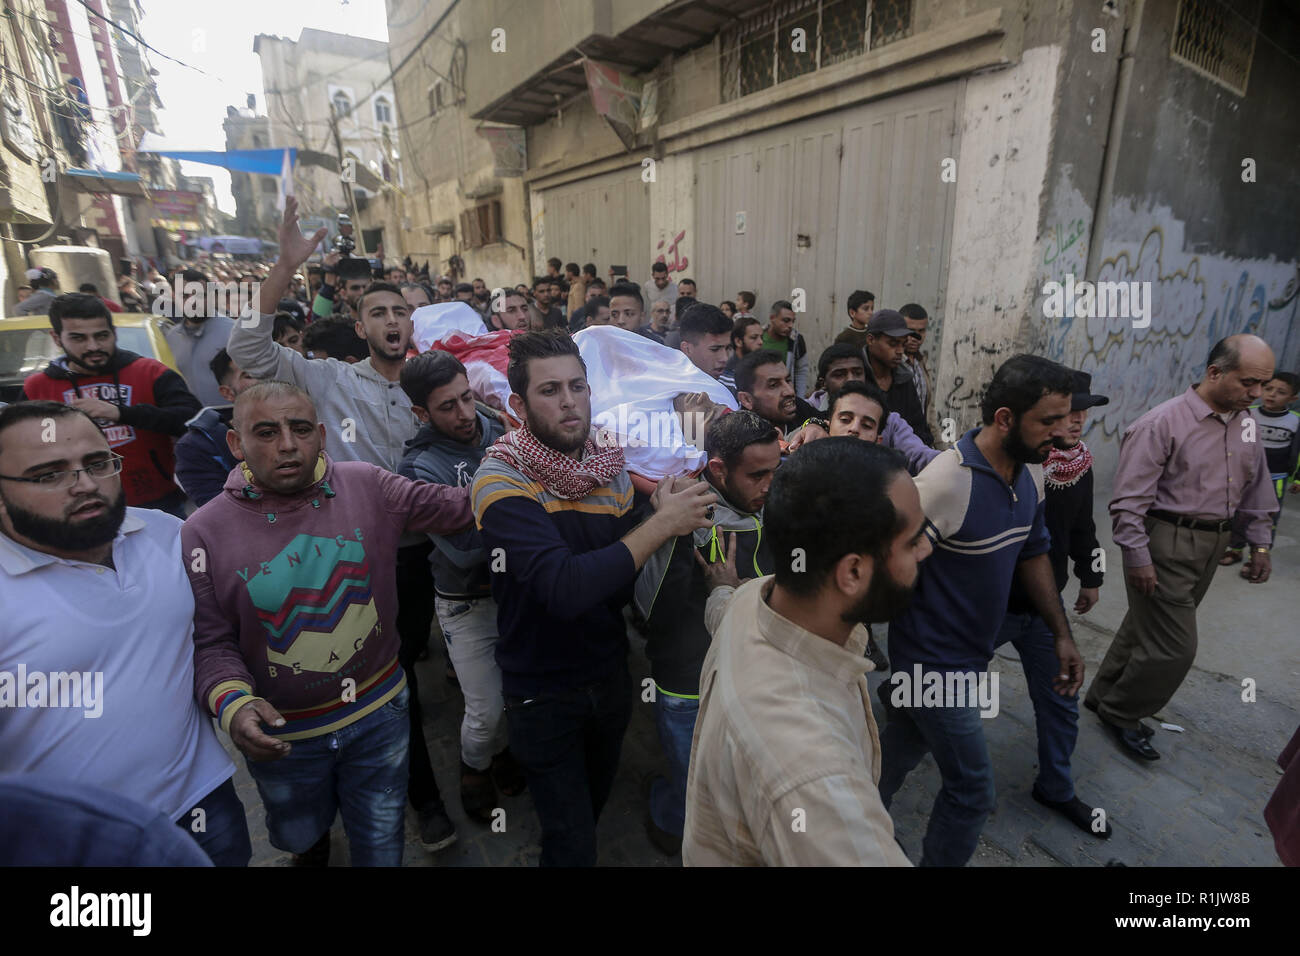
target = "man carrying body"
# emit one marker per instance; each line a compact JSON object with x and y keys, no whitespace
{"x":295,"y":643}
{"x":513,"y":314}
{"x":626,"y":307}
{"x":706,"y":338}
{"x":96,"y":590}
{"x":560,"y":511}
{"x":763,"y":386}
{"x":983,"y":504}
{"x":448,"y":450}
{"x":785,"y":734}
{"x":140,"y":403}
{"x":671,"y":591}
{"x":1184,"y":468}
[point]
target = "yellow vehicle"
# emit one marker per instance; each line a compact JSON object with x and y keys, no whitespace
{"x":26,"y":345}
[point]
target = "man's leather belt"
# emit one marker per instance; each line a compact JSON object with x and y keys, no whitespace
{"x":1199,"y":524}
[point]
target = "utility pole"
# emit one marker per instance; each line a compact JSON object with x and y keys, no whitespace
{"x":348,"y":196}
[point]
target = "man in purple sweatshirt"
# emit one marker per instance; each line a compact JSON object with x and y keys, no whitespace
{"x":295,"y":628}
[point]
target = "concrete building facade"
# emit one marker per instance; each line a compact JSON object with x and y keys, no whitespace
{"x":320,"y":81}
{"x":961,"y":155}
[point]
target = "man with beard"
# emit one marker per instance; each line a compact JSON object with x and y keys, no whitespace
{"x":557,"y":513}
{"x":763,"y":386}
{"x":367,"y":417}
{"x":509,"y":311}
{"x":95,"y":609}
{"x":786,"y":756}
{"x":296,"y":641}
{"x":1067,"y":476}
{"x":984,"y":510}
{"x":140,"y":403}
{"x":671,"y":591}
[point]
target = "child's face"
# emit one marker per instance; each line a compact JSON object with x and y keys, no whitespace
{"x":1277,"y":395}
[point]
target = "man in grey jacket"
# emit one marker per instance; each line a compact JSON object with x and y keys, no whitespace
{"x":447,"y":450}
{"x":195,"y":341}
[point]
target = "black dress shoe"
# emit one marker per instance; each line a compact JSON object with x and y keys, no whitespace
{"x":1135,"y":743}
{"x":1076,"y":811}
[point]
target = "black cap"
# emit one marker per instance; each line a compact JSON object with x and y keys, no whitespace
{"x":888,"y":322}
{"x":1082,"y":389}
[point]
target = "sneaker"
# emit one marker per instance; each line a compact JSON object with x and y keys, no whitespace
{"x":508,"y":774}
{"x":436,"y":829}
{"x":478,"y":794}
{"x":318,"y":856}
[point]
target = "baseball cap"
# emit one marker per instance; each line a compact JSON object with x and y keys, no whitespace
{"x":1082,"y":396}
{"x":888,"y":322}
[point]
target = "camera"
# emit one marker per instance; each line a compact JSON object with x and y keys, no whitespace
{"x":343,"y":242}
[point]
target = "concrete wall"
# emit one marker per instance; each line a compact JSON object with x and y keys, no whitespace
{"x":1218,"y":252}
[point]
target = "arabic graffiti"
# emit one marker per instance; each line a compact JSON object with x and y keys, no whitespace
{"x":679,"y":263}
{"x":1058,"y":243}
{"x":1139,"y":368}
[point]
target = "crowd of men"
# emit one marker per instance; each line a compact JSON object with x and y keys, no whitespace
{"x":345,"y":502}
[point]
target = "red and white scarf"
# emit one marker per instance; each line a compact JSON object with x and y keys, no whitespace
{"x":1064,"y":468}
{"x":559,"y":474}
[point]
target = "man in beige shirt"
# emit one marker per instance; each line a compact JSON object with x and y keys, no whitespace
{"x":786,"y":756}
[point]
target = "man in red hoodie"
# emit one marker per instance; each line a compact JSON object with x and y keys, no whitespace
{"x":138,"y":403}
{"x":295,"y":624}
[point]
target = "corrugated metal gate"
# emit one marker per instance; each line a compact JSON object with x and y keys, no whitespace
{"x":846,"y":200}
{"x":605,"y":220}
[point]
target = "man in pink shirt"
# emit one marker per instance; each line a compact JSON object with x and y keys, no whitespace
{"x":1184,"y":468}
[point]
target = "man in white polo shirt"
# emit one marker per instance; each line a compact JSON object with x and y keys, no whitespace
{"x":96,"y":639}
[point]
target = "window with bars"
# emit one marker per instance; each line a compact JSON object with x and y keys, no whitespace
{"x":1216,"y":38}
{"x":481,"y":225}
{"x":765,"y":48}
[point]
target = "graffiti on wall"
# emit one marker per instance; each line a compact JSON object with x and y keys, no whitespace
{"x":963,"y":398}
{"x":1139,"y":368}
{"x":678,"y":262}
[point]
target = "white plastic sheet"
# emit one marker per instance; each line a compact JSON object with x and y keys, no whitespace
{"x":633,"y":382}
{"x":433,"y":323}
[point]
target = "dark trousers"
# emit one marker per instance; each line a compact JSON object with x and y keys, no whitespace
{"x":219,"y":825}
{"x":414,"y":619}
{"x":568,"y":744}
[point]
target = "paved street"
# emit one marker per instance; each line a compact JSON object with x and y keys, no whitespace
{"x":1200,"y":805}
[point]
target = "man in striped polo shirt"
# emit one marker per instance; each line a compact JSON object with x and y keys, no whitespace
{"x":984,"y":505}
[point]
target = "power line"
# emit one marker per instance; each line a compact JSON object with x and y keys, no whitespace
{"x":135,"y":36}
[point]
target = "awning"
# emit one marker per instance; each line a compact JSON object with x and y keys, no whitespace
{"x":99,"y":181}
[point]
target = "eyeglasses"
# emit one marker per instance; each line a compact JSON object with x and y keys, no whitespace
{"x":55,"y":480}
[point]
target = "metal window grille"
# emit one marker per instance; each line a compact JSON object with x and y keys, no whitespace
{"x":1217,"y":39}
{"x":758,"y":52}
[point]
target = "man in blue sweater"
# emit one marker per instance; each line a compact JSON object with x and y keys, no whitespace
{"x":564,"y":549}
{"x":203,"y":457}
{"x":984,"y":506}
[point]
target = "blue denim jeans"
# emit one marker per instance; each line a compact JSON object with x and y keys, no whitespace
{"x":675,"y":718}
{"x":359,"y":771}
{"x":955,"y":735}
{"x":1056,"y":717}
{"x":569,"y":743}
{"x":224,"y":833}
